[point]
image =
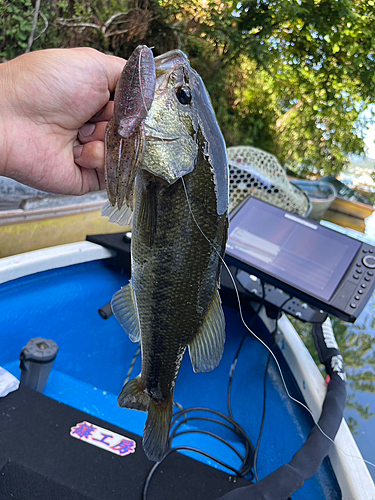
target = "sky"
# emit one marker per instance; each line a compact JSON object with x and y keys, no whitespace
{"x":370,"y":135}
{"x":369,"y":141}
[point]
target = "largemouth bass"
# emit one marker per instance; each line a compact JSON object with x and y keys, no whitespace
{"x":180,"y":201}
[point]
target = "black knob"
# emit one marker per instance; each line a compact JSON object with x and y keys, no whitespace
{"x":369,"y":261}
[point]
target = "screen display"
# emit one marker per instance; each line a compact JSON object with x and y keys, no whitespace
{"x":296,"y":251}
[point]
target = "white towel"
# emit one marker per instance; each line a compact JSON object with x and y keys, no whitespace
{"x":8,"y":382}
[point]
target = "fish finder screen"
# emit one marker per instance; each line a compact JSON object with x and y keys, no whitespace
{"x":296,"y":251}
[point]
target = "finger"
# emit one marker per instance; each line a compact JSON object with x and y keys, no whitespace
{"x":114,"y":67}
{"x":92,"y":132}
{"x":91,"y":180}
{"x":90,"y":155}
{"x":105,"y":114}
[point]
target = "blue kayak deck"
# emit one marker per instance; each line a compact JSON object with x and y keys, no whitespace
{"x":95,"y":356}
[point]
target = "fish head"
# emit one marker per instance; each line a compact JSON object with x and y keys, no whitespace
{"x":180,"y":123}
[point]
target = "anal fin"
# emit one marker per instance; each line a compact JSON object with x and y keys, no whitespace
{"x":207,"y":348}
{"x":133,"y":396}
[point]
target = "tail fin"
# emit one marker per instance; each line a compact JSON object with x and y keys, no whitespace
{"x":133,"y":396}
{"x":158,"y":423}
{"x":156,"y":433}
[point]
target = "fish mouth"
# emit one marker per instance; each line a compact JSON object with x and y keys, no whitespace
{"x":161,"y":139}
{"x":153,"y":134}
{"x":167,"y":62}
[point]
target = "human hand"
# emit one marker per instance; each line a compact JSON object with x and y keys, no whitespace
{"x":54,"y":108}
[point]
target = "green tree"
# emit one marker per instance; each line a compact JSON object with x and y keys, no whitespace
{"x":319,"y":55}
{"x":288,"y":76}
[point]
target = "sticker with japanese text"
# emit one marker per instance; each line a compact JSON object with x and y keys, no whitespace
{"x":103,"y":438}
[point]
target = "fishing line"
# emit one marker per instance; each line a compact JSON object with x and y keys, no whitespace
{"x":244,"y":322}
{"x":240,"y":311}
{"x":132,"y":363}
{"x":259,"y":339}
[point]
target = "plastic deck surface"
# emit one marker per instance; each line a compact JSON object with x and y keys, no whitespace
{"x":95,"y":356}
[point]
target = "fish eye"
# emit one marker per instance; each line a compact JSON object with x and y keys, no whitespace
{"x":183,"y":94}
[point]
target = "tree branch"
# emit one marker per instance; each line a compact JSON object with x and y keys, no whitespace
{"x":35,"y":21}
{"x":71,"y":24}
{"x":45,"y":25}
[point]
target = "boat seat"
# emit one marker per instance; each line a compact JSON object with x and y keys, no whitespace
{"x":39,"y":459}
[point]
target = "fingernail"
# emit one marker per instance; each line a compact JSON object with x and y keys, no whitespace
{"x":87,"y":129}
{"x":98,"y":113}
{"x":77,"y":150}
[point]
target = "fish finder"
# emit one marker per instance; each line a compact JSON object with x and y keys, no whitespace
{"x":320,"y":270}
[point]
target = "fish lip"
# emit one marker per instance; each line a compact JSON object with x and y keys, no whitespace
{"x":168,"y":61}
{"x":153,"y":133}
{"x":161,"y":139}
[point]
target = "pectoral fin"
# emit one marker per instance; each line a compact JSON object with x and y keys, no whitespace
{"x":207,"y":347}
{"x":125,"y":310}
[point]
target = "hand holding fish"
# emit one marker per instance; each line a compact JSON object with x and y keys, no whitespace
{"x":54,"y":109}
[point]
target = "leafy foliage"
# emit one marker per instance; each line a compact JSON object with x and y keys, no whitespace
{"x":15,"y":26}
{"x":291,"y":77}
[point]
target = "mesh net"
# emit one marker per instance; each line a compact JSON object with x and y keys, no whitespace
{"x":255,"y":172}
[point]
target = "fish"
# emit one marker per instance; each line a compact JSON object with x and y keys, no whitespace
{"x":178,"y":207}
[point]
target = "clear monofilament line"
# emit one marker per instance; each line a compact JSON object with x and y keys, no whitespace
{"x":260,"y":340}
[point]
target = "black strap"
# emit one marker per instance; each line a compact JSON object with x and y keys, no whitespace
{"x":283,"y":482}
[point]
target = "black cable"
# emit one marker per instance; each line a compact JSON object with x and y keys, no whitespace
{"x":186,"y":448}
{"x":211,"y":434}
{"x":263,"y":418}
{"x":279,"y":310}
{"x":206,"y":419}
{"x":209,"y":410}
{"x":239,"y":431}
{"x":249,"y":448}
{"x":231,"y":373}
{"x":233,"y":367}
